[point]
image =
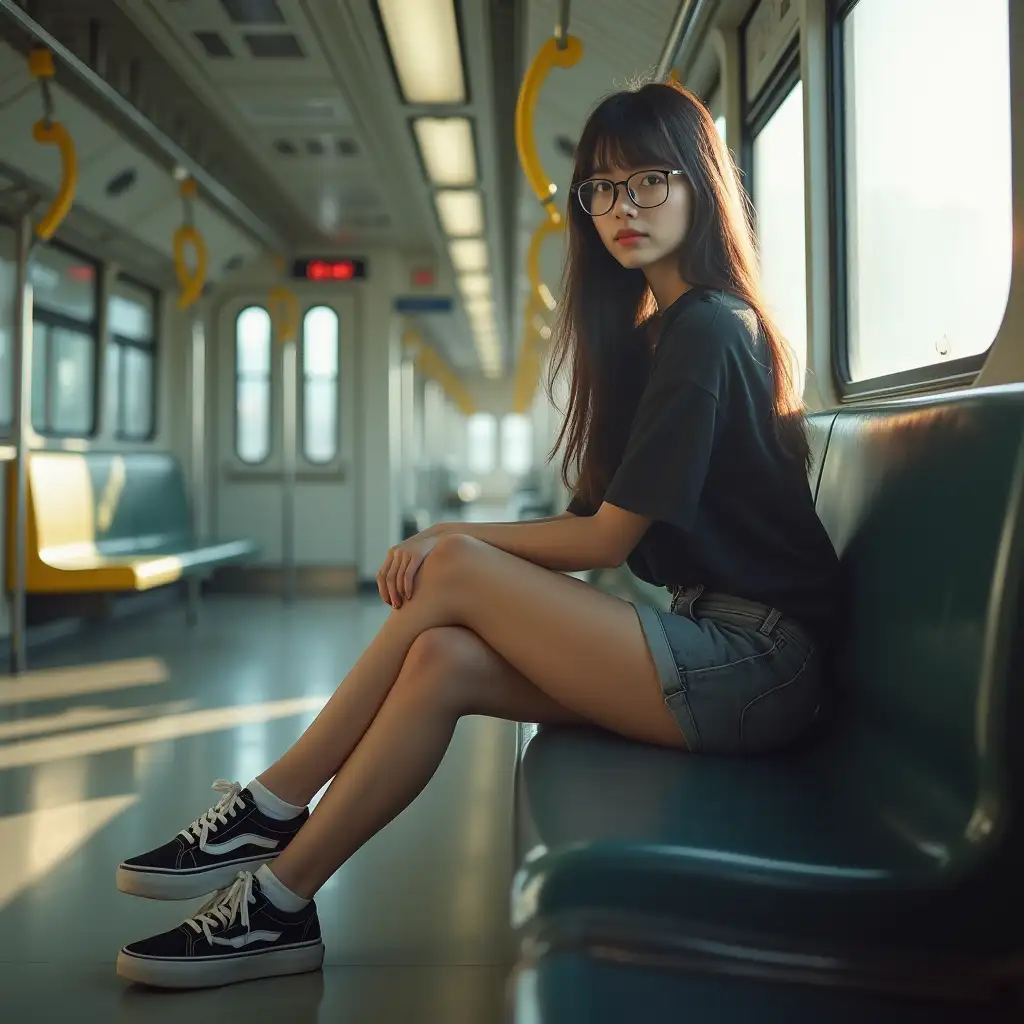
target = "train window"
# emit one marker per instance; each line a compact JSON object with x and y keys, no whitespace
{"x":320,"y":356}
{"x":928,"y":223}
{"x":252,"y":385}
{"x":8,"y":286}
{"x":64,"y":339}
{"x":131,"y":361}
{"x":481,"y":435}
{"x":516,"y":444}
{"x":778,"y":155}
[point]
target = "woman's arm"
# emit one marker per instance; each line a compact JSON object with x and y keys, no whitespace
{"x":565,"y":542}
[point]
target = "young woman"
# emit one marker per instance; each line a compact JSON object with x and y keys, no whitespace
{"x":685,"y":444}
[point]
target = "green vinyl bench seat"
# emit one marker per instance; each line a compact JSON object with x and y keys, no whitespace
{"x":897,"y":827}
{"x":103,"y":522}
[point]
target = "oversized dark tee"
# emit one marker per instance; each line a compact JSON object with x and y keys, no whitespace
{"x":729,"y":508}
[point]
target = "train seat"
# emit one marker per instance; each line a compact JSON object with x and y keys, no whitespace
{"x":110,"y":522}
{"x":898,"y":827}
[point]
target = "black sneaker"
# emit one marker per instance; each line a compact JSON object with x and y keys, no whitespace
{"x":238,"y":935}
{"x":194,"y":863}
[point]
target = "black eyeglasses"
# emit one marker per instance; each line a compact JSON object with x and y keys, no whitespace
{"x":645,"y":188}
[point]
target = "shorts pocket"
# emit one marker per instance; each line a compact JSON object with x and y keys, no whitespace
{"x":781,"y":713}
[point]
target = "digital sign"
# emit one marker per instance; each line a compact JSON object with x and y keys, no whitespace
{"x":329,"y":269}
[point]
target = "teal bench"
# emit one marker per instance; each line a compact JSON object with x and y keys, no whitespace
{"x":895,"y":832}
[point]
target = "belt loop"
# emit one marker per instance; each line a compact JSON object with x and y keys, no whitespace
{"x":769,"y":623}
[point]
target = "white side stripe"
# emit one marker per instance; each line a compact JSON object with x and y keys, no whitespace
{"x":243,"y":940}
{"x":217,"y":849}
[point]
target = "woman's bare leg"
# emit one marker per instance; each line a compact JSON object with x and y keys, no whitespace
{"x":583,"y":648}
{"x":449,"y":672}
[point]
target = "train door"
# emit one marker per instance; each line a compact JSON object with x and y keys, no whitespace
{"x":284,"y":471}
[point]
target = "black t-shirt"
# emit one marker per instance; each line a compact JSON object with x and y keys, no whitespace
{"x":729,"y":508}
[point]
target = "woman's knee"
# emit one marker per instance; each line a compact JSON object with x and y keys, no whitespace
{"x":441,"y":666}
{"x":450,"y":558}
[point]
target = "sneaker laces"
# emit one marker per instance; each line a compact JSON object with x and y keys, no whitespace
{"x":222,"y":909}
{"x":228,"y":804}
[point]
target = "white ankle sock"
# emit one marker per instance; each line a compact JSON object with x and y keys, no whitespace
{"x":272,"y":806}
{"x":278,"y":893}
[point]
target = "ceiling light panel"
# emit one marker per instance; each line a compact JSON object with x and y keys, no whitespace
{"x":475,"y":286}
{"x":423,"y":37}
{"x":461,"y":213}
{"x":447,"y":150}
{"x":468,"y":255}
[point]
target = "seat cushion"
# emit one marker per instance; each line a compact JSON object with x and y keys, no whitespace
{"x":809,"y":844}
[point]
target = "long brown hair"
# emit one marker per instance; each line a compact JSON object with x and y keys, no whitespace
{"x":606,"y":316}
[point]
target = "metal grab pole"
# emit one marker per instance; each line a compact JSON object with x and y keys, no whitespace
{"x":197,"y":417}
{"x":289,"y":383}
{"x":22,"y":381}
{"x":682,"y":25}
{"x":562,"y":26}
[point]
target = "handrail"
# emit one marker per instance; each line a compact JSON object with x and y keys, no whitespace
{"x":190,"y":280}
{"x":432,"y":365}
{"x":50,"y":132}
{"x":551,"y":54}
{"x":172,"y":153}
{"x":682,"y":27}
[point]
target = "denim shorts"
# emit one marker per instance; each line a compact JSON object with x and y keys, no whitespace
{"x":739,"y":677}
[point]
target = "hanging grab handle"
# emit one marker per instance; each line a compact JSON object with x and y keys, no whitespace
{"x":190,"y":279}
{"x":551,"y":54}
{"x":50,"y":132}
{"x":284,"y":313}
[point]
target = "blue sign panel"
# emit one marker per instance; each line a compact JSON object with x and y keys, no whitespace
{"x":424,"y":304}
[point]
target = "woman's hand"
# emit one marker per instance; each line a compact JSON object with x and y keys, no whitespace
{"x":396,"y":576}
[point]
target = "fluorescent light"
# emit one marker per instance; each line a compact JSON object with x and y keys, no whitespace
{"x":546,"y":297}
{"x":424,"y":41}
{"x":461,"y":213}
{"x":468,"y":254}
{"x":474,"y":285}
{"x":480,"y":304}
{"x":446,"y":146}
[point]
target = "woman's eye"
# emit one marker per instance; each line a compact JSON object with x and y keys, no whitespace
{"x":600,"y":186}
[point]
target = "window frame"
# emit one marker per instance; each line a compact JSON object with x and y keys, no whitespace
{"x":52,"y":319}
{"x":301,"y":397}
{"x":153,"y":349}
{"x":270,"y":389}
{"x":950,"y":373}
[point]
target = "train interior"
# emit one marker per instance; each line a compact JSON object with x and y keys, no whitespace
{"x":325,"y":238}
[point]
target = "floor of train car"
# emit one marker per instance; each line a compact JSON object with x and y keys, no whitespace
{"x":110,"y":745}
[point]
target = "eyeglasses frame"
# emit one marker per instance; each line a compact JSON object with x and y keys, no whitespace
{"x":575,"y":189}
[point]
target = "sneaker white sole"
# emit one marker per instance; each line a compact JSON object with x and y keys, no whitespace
{"x":180,"y":885}
{"x":225,"y":970}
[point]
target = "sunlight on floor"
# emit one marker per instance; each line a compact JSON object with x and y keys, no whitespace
{"x":33,"y":843}
{"x":54,"y":683}
{"x":86,"y":717}
{"x":168,"y":727}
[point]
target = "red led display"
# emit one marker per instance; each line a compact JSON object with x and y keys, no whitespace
{"x":322,"y":269}
{"x":423,"y":277}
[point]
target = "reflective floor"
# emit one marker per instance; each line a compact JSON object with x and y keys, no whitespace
{"x":109,"y":746}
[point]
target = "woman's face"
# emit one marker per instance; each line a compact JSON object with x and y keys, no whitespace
{"x":641,"y":235}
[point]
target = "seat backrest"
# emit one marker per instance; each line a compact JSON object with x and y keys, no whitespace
{"x":922,"y":499}
{"x":122,"y":503}
{"x":819,"y":428}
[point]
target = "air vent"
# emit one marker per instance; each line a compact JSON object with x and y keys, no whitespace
{"x":213,"y":43}
{"x":285,"y":147}
{"x":121,"y":183}
{"x":274,"y":44}
{"x":346,"y":147}
{"x":253,"y":12}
